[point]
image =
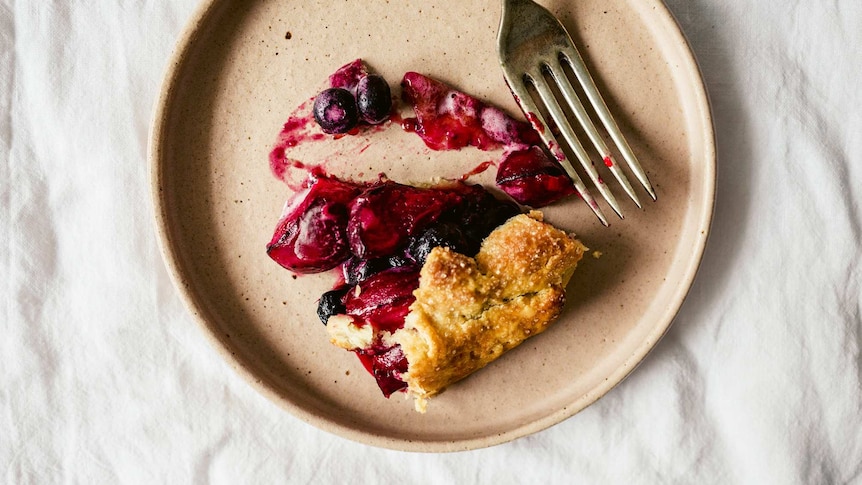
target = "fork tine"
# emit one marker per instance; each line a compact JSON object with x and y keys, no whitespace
{"x":589,"y":127}
{"x":525,"y":100}
{"x":562,"y":123}
{"x":573,"y":58}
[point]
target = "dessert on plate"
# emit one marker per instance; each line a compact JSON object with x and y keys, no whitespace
{"x":433,"y":282}
{"x":467,"y":311}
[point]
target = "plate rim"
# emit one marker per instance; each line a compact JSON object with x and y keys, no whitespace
{"x":168,"y":249}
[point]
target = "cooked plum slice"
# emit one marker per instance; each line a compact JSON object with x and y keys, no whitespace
{"x":446,"y":119}
{"x":312,"y":234}
{"x":532,"y":178}
{"x":384,"y":299}
{"x":386,"y":364}
{"x":384,"y":217}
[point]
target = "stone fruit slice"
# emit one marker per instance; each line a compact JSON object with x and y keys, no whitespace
{"x":311,"y":235}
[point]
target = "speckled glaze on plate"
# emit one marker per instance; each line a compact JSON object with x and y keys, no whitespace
{"x":240,"y":69}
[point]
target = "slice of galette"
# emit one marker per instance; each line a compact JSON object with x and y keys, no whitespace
{"x":467,"y":310}
{"x":435,"y":282}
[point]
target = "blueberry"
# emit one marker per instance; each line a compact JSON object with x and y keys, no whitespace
{"x":358,"y":270}
{"x":374,"y":99}
{"x":441,"y":234}
{"x":486,"y":212}
{"x":493,"y":216}
{"x":335,"y":111}
{"x":481,"y":215}
{"x":332,"y":303}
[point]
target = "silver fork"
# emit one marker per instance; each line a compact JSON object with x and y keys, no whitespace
{"x":533,"y":44}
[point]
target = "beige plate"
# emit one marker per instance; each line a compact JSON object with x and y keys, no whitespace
{"x":236,"y":77}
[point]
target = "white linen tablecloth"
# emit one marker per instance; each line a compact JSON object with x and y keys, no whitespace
{"x":105,"y":378}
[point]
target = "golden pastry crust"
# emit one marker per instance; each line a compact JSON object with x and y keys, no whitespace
{"x":469,"y":311}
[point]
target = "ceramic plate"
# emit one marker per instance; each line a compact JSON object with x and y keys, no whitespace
{"x":242,"y":67}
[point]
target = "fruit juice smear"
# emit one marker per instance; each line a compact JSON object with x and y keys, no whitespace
{"x":444,"y":118}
